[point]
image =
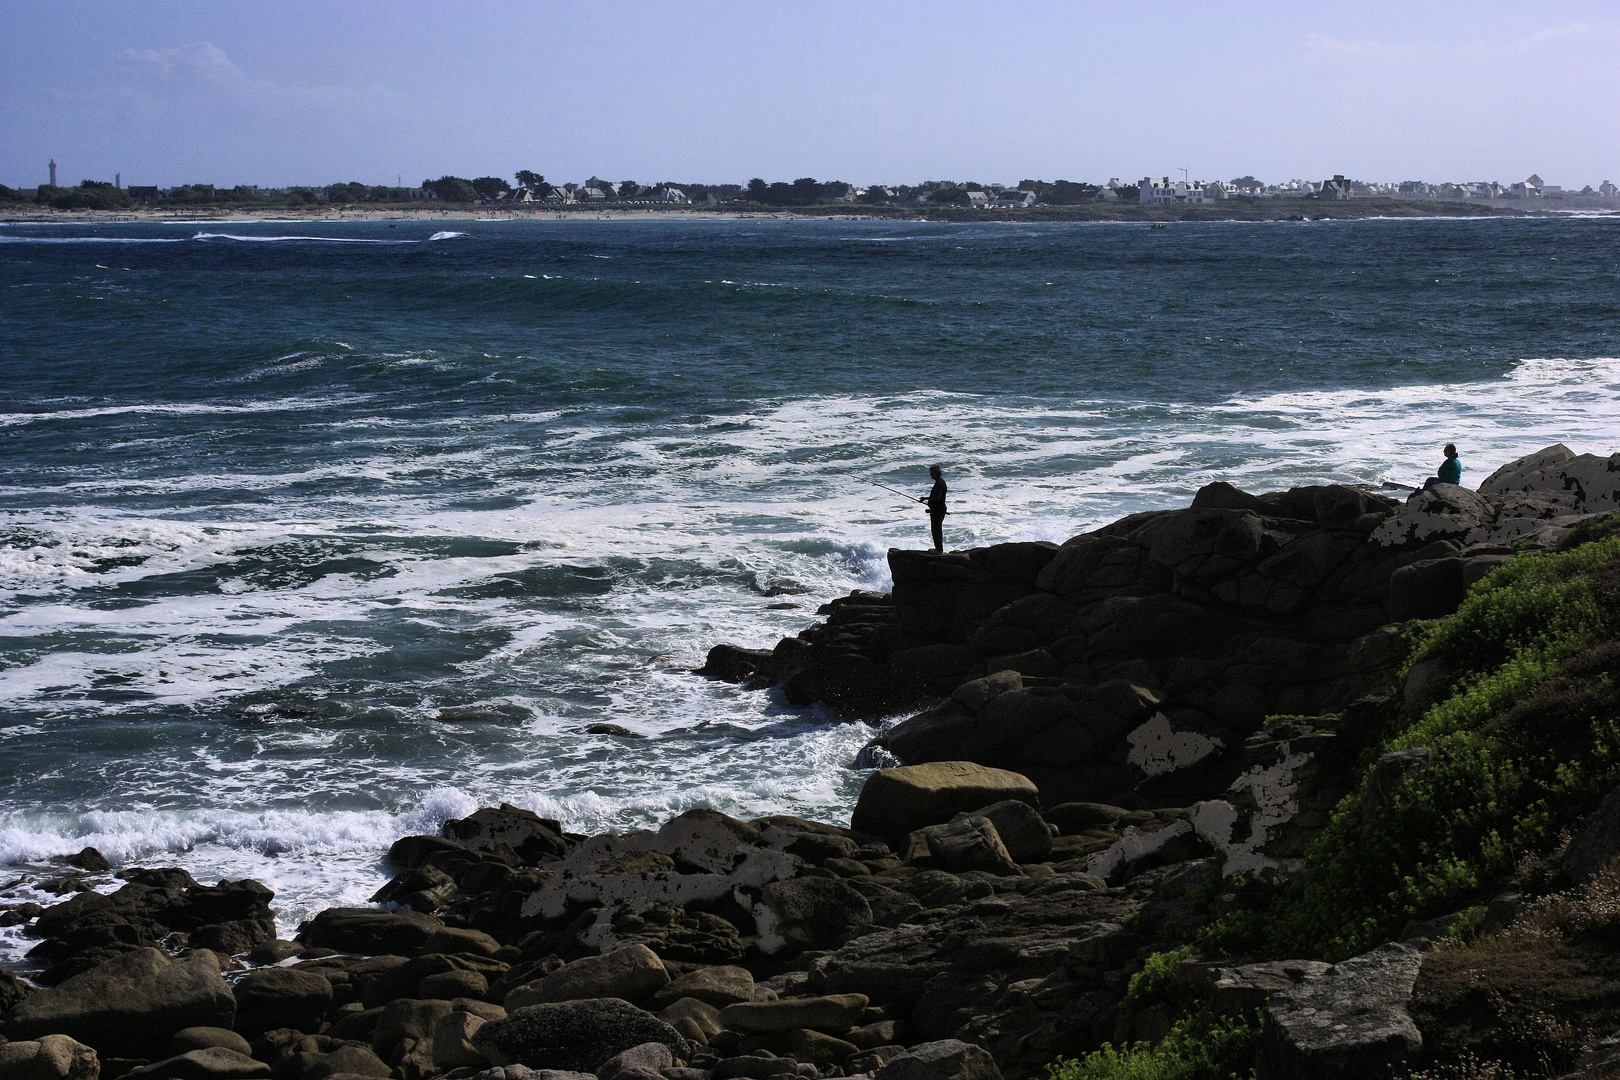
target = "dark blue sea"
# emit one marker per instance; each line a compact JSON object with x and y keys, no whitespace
{"x":313,"y":534}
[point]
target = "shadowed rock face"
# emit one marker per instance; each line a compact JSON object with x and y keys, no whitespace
{"x":130,"y":1005}
{"x":1130,"y":664}
{"x":574,"y":1035}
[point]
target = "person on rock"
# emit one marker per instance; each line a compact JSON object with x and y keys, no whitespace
{"x":935,"y":501}
{"x":1450,"y":471}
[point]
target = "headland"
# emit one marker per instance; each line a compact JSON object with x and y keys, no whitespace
{"x":1319,"y":782}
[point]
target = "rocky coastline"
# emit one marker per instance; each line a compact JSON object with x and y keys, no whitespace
{"x":1115,"y":757}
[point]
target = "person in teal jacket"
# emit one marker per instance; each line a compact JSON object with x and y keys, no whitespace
{"x":1450,"y":471}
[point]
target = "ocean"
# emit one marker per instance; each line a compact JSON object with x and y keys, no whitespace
{"x":313,"y":534}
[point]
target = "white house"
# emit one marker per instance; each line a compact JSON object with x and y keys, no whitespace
{"x":1015,"y":197}
{"x":978,"y":199}
{"x":1608,"y":189}
{"x":1160,"y":191}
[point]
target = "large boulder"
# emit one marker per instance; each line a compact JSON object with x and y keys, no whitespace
{"x":719,"y":986}
{"x":130,"y":1005}
{"x":1348,"y":1022}
{"x":809,"y":913}
{"x":969,"y":843}
{"x":212,"y":1063}
{"x":277,"y":997}
{"x":53,"y":1057}
{"x":947,"y":1059}
{"x":498,"y":830}
{"x":895,"y":802}
{"x":452,"y":1041}
{"x":370,"y":931}
{"x":633,"y":972}
{"x":573,"y":1035}
{"x":1022,"y":830}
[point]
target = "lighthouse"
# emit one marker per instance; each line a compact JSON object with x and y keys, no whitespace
{"x":53,"y":172}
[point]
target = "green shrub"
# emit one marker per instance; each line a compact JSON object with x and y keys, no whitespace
{"x":1198,"y":1047}
{"x":1156,"y":981}
{"x":1515,"y":748}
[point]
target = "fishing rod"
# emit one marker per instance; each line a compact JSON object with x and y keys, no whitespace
{"x":885,"y":487}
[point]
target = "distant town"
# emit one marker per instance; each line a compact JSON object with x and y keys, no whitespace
{"x":530,"y":190}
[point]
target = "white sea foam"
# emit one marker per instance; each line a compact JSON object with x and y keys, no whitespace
{"x":294,"y":725}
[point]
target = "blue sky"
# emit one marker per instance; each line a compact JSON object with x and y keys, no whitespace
{"x":878,"y":91}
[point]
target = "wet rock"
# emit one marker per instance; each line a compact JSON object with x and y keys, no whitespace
{"x":274,"y":951}
{"x":1350,"y":1021}
{"x":52,"y":1057}
{"x":211,"y":1063}
{"x":153,"y":904}
{"x":833,"y":1014}
{"x":894,"y":802}
{"x":633,"y":973}
{"x":87,"y":859}
{"x":733,"y":664}
{"x":426,"y":888}
{"x":946,"y":1059}
{"x":276,"y":997}
{"x":369,"y":931}
{"x":509,"y":828}
{"x":717,"y":986}
{"x":130,"y":1005}
{"x":573,"y":1035}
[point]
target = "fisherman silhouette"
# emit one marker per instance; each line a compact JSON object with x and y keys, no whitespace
{"x":936,"y":508}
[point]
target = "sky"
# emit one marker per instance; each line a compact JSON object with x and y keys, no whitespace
{"x":713,"y":91}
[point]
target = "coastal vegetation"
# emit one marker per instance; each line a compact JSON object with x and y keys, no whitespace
{"x":1508,"y":733}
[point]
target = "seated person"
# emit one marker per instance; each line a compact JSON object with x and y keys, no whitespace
{"x":1450,"y":471}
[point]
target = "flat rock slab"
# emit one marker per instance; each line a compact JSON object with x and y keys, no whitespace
{"x":833,"y":1014}
{"x":574,"y":1036}
{"x":895,"y":802}
{"x":213,"y":1063}
{"x":718,"y":986}
{"x":130,"y":1005}
{"x":1348,"y":1022}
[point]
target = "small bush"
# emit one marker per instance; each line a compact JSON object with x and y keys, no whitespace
{"x":1520,"y":734}
{"x":1199,"y":1047}
{"x":1156,"y":981}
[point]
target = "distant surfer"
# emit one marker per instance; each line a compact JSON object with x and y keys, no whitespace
{"x":936,"y":508}
{"x":1450,"y":471}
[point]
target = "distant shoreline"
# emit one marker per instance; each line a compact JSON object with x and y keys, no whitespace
{"x":1229,"y":210}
